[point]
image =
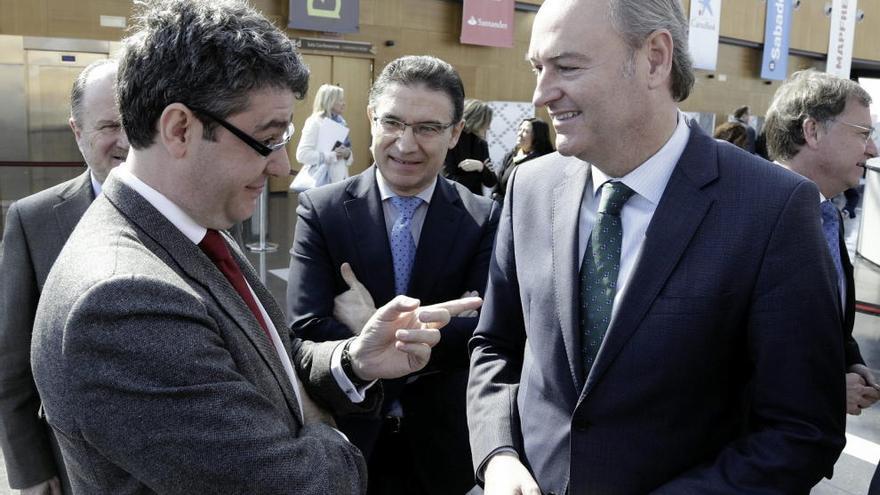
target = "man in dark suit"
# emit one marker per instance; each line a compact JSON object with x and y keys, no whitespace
{"x":819,"y":126}
{"x":420,"y":444}
{"x":161,"y":360}
{"x":36,"y":229}
{"x":660,"y":313}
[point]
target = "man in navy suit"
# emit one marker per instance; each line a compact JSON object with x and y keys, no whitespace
{"x":398,"y":228}
{"x":819,"y":126}
{"x":660,"y":314}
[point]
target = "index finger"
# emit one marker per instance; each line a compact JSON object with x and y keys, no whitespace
{"x":456,"y":306}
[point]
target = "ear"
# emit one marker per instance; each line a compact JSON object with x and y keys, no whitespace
{"x":77,"y":132}
{"x":456,"y":133}
{"x":811,"y":129}
{"x":659,"y":49}
{"x":178,"y":129}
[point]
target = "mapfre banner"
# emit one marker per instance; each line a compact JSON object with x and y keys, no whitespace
{"x":487,"y":22}
{"x":332,"y":16}
{"x":840,"y":40}
{"x":705,"y":24}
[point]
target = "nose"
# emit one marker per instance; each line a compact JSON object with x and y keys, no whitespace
{"x":406,"y":140}
{"x":122,"y":139}
{"x":546,"y":91}
{"x":871,"y":148}
{"x":279,"y":163}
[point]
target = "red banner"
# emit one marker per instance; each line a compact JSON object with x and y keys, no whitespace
{"x":487,"y":22}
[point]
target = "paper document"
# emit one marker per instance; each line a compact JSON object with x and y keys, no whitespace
{"x":329,"y":133}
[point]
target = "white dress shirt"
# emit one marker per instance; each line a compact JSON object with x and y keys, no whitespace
{"x":648,"y":181}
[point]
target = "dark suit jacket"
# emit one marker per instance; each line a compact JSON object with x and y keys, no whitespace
{"x":344,"y":222}
{"x":156,"y":377}
{"x":36,"y":230}
{"x":721,"y":372}
{"x":851,"y":351}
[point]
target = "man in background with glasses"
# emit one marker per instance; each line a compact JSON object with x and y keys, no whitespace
{"x":36,"y":230}
{"x":162,"y":361}
{"x":398,"y":228}
{"x":819,"y":126}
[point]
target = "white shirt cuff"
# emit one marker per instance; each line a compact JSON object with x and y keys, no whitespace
{"x":354,"y":394}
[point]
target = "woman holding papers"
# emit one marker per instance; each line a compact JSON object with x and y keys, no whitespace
{"x":324,"y":149}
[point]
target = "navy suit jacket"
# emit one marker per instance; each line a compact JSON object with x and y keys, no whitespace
{"x":722,"y":370}
{"x":851,"y":350}
{"x":344,"y":222}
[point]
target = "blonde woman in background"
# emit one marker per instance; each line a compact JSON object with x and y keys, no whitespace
{"x":325,"y":167}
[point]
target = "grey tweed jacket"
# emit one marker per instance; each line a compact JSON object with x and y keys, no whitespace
{"x":36,"y":228}
{"x":157,"y":378}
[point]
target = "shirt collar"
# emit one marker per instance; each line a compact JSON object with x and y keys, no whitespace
{"x":192,"y":230}
{"x":650,"y":178}
{"x":96,"y":186}
{"x":386,"y":192}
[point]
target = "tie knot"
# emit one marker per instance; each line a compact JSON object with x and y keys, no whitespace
{"x":406,"y":205}
{"x":614,"y":196}
{"x":830,"y":214}
{"x":214,"y":246}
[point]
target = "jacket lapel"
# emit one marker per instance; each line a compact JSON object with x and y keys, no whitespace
{"x":676,"y":219}
{"x":192,"y":261}
{"x":567,"y":197}
{"x":366,"y":218}
{"x":437,"y":238}
{"x":74,"y":201}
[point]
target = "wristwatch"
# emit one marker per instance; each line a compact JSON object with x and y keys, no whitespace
{"x":357,"y":381}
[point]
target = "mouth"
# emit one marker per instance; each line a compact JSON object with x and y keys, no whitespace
{"x":564,"y":116}
{"x":404,"y":163}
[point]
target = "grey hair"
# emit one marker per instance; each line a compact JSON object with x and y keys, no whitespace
{"x":806,"y":94}
{"x":635,"y":20}
{"x":477,"y":115}
{"x":207,"y":54}
{"x":325,"y":98}
{"x":421,"y":70}
{"x":78,"y":91}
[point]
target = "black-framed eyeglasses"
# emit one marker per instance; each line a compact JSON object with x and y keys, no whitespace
{"x":395,"y":128}
{"x":264,"y":148}
{"x":869,"y":133}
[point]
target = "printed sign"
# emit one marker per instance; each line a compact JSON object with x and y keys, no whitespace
{"x":705,"y":24}
{"x":840,"y":40}
{"x":777,"y":30}
{"x":332,"y":16}
{"x":487,"y":22}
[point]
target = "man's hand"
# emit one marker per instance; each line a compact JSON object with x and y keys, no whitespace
{"x":49,"y":487}
{"x":468,"y":313}
{"x":471,"y":165}
{"x":397,"y":339}
{"x":862,"y":390}
{"x":354,"y":307}
{"x":505,"y":475}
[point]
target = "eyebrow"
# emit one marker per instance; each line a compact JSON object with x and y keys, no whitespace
{"x":395,"y":117}
{"x":273,"y":124}
{"x":555,"y":58}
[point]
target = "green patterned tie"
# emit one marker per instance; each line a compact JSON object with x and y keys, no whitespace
{"x":598,"y":280}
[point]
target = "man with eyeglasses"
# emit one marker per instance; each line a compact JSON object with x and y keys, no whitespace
{"x":819,"y":126}
{"x":162,"y":361}
{"x":36,"y":229}
{"x":399,"y":228}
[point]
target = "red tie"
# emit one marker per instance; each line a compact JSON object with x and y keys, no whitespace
{"x":215,"y":247}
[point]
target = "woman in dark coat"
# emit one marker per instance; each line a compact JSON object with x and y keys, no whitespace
{"x":532,"y":141}
{"x":468,"y":162}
